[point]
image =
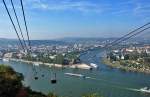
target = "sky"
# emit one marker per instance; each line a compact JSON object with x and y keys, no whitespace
{"x":53,"y":19}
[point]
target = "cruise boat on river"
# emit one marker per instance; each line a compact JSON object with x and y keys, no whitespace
{"x":5,"y":59}
{"x":145,"y":90}
{"x":73,"y":74}
{"x":93,"y":65}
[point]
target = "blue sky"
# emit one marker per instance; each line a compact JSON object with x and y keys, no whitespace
{"x":50,"y":19}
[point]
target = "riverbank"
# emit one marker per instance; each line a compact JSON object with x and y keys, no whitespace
{"x":75,"y":66}
{"x":116,"y":64}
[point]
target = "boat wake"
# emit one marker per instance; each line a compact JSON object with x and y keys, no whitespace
{"x":132,"y":89}
{"x":115,"y":84}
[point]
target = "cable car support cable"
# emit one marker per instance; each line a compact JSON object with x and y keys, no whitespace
{"x":18,"y":23}
{"x":13,"y":24}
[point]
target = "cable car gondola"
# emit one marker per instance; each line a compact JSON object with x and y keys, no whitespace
{"x":54,"y":80}
{"x":36,"y":78}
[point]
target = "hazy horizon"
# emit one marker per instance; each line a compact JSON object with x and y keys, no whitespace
{"x":63,"y":38}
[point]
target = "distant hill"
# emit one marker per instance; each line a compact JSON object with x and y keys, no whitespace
{"x":63,"y":41}
{"x":5,"y":42}
{"x":82,"y":39}
{"x":47,"y":42}
{"x":68,"y":40}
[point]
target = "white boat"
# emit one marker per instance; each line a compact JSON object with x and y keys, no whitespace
{"x":93,"y":65}
{"x":73,"y":74}
{"x":145,"y":89}
{"x":5,"y":59}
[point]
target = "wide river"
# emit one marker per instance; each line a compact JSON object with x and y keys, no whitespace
{"x":107,"y":81}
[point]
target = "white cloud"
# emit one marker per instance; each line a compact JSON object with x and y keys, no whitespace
{"x":64,"y":5}
{"x":142,"y":9}
{"x":124,"y":7}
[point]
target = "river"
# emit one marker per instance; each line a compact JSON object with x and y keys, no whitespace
{"x":106,"y":81}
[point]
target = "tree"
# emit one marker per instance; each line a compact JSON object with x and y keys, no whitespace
{"x":147,"y":60}
{"x":10,"y":81}
{"x":126,"y":57}
{"x":59,"y":59}
{"x":92,"y":95}
{"x":11,"y":85}
{"x":50,"y":94}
